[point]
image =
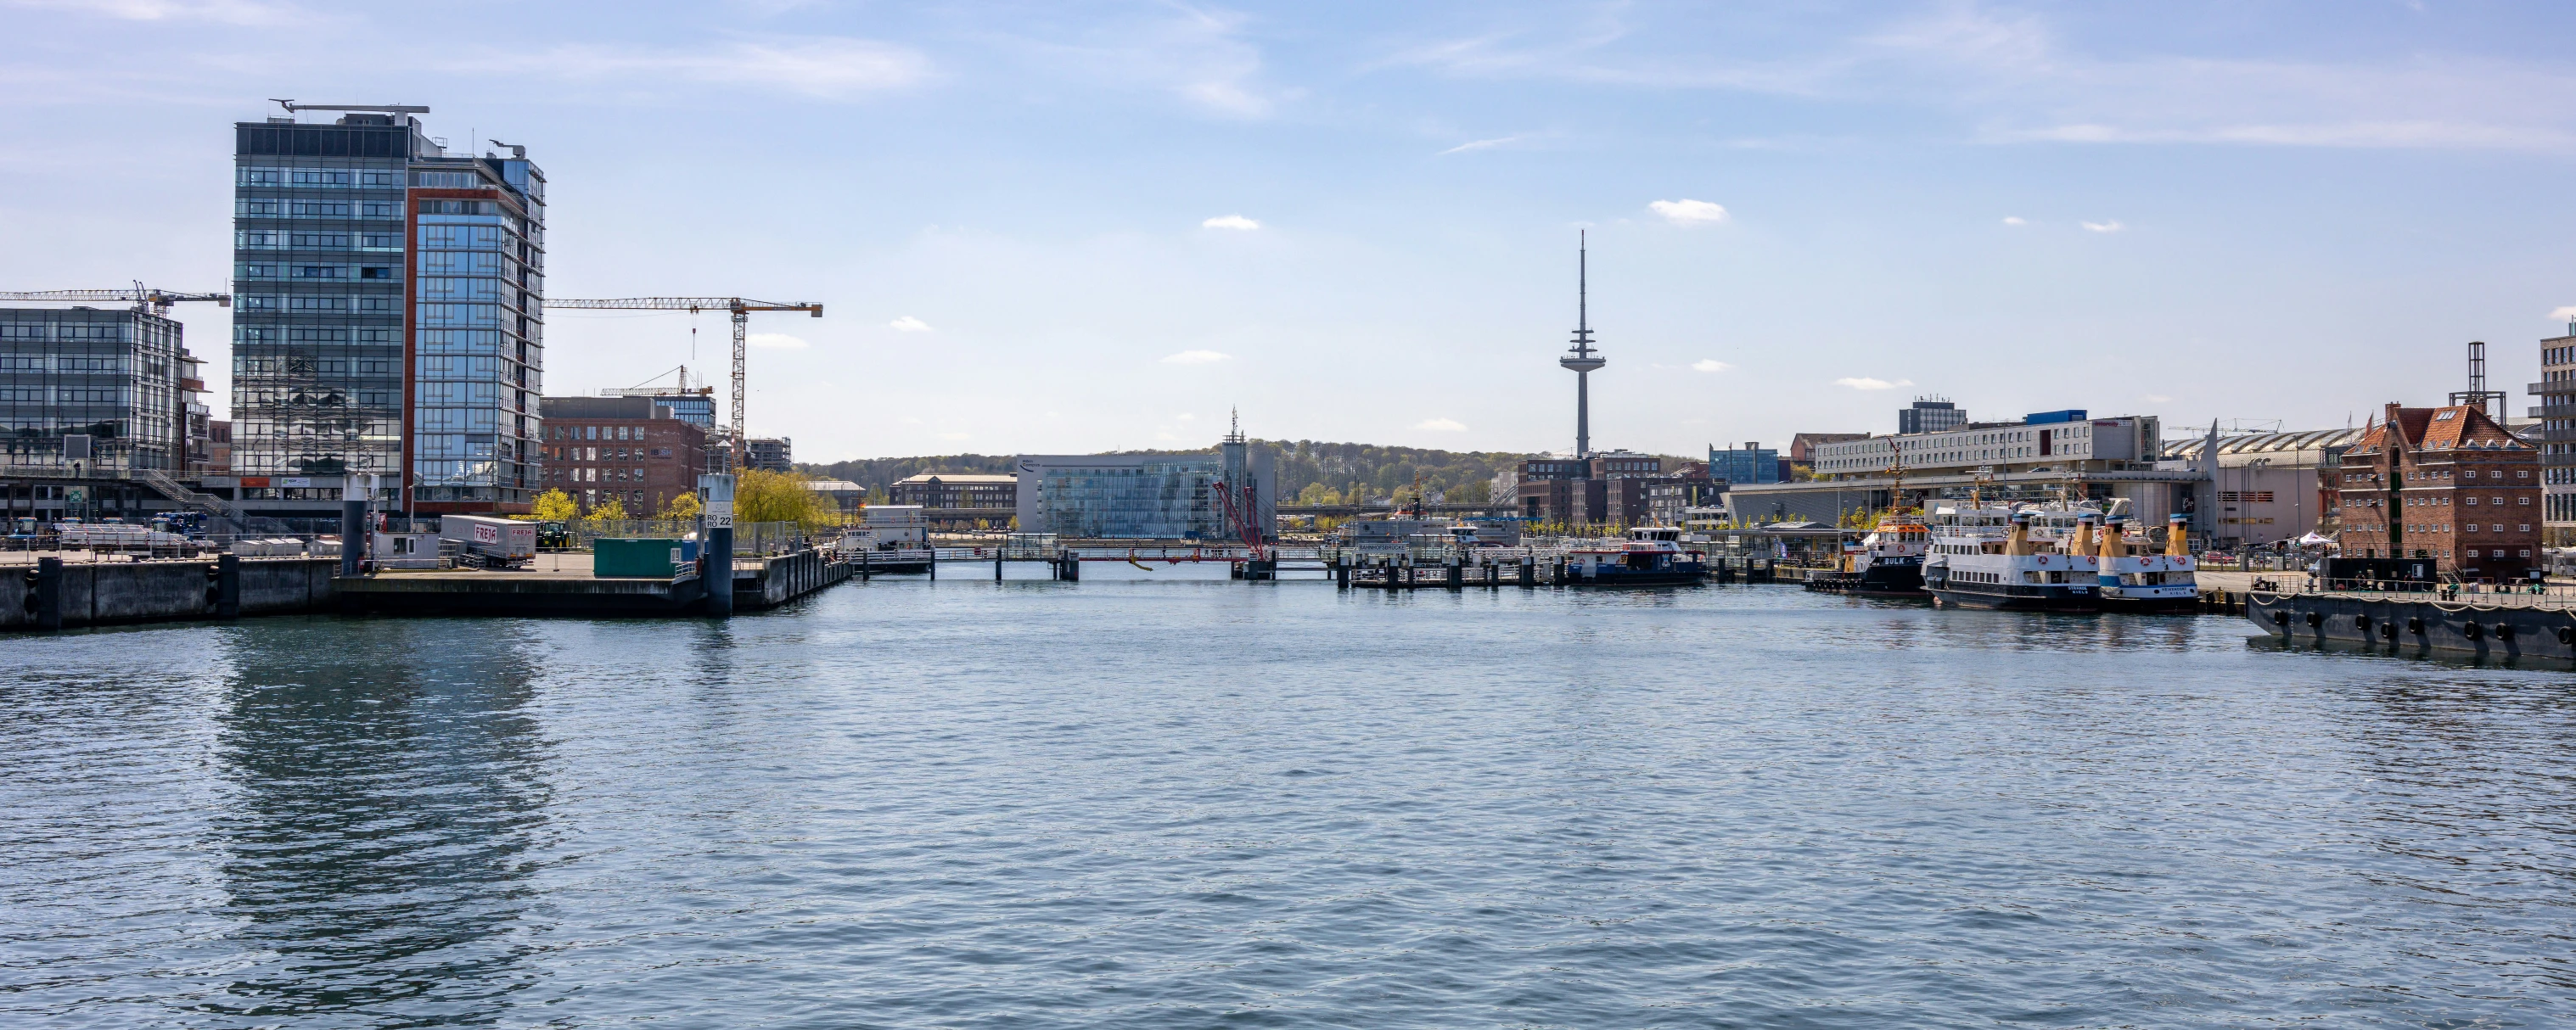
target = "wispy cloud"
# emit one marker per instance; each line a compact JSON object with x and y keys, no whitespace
{"x":823,"y":67}
{"x":1710,"y":365}
{"x":2014,"y":220}
{"x":1867,"y":383}
{"x":1688,"y":212}
{"x":230,"y":12}
{"x":1202,"y":56}
{"x":1441,"y":425}
{"x":2565,"y":312}
{"x":776,"y":341}
{"x":2111,"y":226}
{"x":1197,"y":357}
{"x":1235,"y":222}
{"x":2156,"y":398}
{"x":908,"y":324}
{"x":1482,"y":144}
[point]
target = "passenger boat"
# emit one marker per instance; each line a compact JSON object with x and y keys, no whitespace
{"x":1651,"y":556}
{"x":1886,"y":563}
{"x":2166,"y":583}
{"x":1985,"y":557}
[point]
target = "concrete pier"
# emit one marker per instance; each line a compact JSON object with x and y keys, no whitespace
{"x":54,"y":594}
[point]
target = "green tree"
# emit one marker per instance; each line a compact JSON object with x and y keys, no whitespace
{"x":556,"y":506}
{"x":610,"y":510}
{"x":683,"y":507}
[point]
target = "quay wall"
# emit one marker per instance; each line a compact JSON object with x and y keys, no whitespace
{"x":104,"y":593}
{"x":2415,"y":626}
{"x":785,"y":578}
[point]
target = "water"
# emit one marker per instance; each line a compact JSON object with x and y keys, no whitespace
{"x":972,"y":804}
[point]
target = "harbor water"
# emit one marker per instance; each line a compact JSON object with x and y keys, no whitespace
{"x":1195,"y":804}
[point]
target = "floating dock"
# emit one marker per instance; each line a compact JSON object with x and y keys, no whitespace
{"x":2462,"y":625}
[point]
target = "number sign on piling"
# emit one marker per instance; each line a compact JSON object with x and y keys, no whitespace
{"x":719,"y":514}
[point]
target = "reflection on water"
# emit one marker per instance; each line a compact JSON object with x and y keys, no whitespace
{"x":1177,"y":804}
{"x":386,"y":812}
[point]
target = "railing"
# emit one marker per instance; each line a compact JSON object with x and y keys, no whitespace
{"x":2455,"y":596}
{"x":750,"y":539}
{"x":177,"y":491}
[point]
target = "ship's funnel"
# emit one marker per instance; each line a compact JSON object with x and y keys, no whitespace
{"x":2114,"y":542}
{"x":2178,"y":536}
{"x":2018,"y":544}
{"x":2083,"y":541}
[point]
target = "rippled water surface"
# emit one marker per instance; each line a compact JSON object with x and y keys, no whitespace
{"x":1028,"y":804}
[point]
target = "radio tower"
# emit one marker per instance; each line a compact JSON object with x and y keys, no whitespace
{"x":1580,"y":357}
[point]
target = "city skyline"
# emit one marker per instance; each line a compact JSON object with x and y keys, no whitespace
{"x":1096,"y":228}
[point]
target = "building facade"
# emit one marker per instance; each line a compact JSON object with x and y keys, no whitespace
{"x":2065,"y":441}
{"x":387,"y":316}
{"x":625,"y":449}
{"x":119,"y":377}
{"x":1143,"y":496}
{"x":2447,"y":483}
{"x":2556,"y":436}
{"x":2271,"y":487}
{"x":1929,"y":415}
{"x":957,"y":490}
{"x":1607,"y":488}
{"x":1751,"y":463}
{"x":769,"y":454}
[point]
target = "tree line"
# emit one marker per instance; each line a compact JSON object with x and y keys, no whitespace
{"x":1310,"y":471}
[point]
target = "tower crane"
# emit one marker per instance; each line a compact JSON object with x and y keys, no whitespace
{"x":741,"y":310}
{"x":159,"y":300}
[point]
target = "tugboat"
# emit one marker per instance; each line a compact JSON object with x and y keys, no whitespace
{"x":1652,"y":556}
{"x":1985,"y":558}
{"x":2153,"y":583}
{"x":1886,"y":563}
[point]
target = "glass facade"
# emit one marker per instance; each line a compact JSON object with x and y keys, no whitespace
{"x":110,"y":374}
{"x":1159,"y":498}
{"x":387,"y":315}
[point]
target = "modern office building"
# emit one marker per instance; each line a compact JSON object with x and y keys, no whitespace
{"x":1751,"y":463}
{"x":2556,"y":435}
{"x":387,"y":319}
{"x":115,"y":376}
{"x":957,"y":490}
{"x":1153,"y":496}
{"x":2447,"y":483}
{"x":1929,"y":415}
{"x":769,"y":454}
{"x":626,"y":449}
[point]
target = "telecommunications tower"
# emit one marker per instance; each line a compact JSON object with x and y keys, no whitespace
{"x":1580,"y":358}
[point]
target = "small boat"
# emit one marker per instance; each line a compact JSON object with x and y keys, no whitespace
{"x":1886,"y":563}
{"x":1651,"y":556}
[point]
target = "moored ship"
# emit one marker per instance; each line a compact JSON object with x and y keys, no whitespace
{"x":1987,"y":558}
{"x":2148,"y":582}
{"x":1652,"y":556}
{"x":1886,"y":563}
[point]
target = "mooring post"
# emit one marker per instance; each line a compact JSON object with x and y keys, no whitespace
{"x":997,"y":565}
{"x":353,"y":521}
{"x":49,"y":593}
{"x":228,"y":586}
{"x":717,"y":514}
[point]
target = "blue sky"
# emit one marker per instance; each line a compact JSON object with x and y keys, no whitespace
{"x":1060,"y":227}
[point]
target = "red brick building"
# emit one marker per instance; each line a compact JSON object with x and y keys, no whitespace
{"x":2443,"y":483}
{"x":626,"y":448}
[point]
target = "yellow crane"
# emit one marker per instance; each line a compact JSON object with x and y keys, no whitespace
{"x":741,"y":310}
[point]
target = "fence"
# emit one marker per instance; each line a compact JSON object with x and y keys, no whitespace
{"x":749,"y":538}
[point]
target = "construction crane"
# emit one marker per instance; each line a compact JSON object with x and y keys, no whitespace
{"x":739,"y":307}
{"x":159,"y":300}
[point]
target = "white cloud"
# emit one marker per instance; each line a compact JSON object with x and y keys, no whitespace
{"x":1196,"y":357}
{"x":1482,"y":144}
{"x":777,"y":341}
{"x":1441,"y":425}
{"x":1688,"y":212}
{"x":1184,"y":417}
{"x":908,"y":324}
{"x":1237,"y":222}
{"x":1867,"y":383}
{"x":2103,"y":226}
{"x":2566,"y":312}
{"x":1710,"y":365}
{"x":2156,"y":398}
{"x":826,"y":67}
{"x":2014,"y":220}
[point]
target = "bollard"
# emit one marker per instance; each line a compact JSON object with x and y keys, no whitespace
{"x":1341,"y":572}
{"x":865,"y":564}
{"x":228,"y":586}
{"x":49,"y":593}
{"x":997,"y":565}
{"x":718,"y":520}
{"x":934,"y":563}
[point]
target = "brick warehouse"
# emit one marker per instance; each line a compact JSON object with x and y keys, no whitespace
{"x":2443,"y":483}
{"x":627,"y":448}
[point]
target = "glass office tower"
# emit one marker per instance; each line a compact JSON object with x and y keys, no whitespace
{"x":110,"y":375}
{"x":387,"y":319}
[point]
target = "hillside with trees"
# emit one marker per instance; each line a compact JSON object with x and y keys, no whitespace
{"x":1309,"y":472}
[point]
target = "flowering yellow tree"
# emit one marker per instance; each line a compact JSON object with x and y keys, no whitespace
{"x":556,"y":506}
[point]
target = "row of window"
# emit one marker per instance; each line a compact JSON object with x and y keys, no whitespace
{"x":2436,"y":474}
{"x":605,"y":453}
{"x":318,"y":178}
{"x":289,"y":364}
{"x":320,"y":304}
{"x":62,"y":331}
{"x":282,"y":239}
{"x":336,"y":273}
{"x":2471,"y":527}
{"x":249,"y":207}
{"x":314,"y":334}
{"x":91,"y":364}
{"x":60,"y":395}
{"x":595,"y":475}
{"x":462,"y":289}
{"x":571,"y":432}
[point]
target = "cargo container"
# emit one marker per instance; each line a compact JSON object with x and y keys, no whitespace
{"x":654,"y":558}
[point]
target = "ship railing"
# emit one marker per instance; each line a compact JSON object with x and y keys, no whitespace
{"x":2474,"y":595}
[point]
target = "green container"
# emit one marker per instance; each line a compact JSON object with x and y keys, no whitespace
{"x":651,"y":558}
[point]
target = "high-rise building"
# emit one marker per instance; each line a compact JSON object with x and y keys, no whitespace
{"x":2556,"y":394}
{"x":387,"y":318}
{"x":1929,"y":415}
{"x":770,"y":454}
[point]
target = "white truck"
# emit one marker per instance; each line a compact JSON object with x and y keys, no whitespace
{"x":475,"y":541}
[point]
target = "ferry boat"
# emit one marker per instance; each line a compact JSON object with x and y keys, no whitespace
{"x":1988,"y":558}
{"x":1652,"y":556}
{"x":2166,"y":583}
{"x":1886,"y":563}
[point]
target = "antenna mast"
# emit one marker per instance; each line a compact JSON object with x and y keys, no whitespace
{"x":1580,"y":358}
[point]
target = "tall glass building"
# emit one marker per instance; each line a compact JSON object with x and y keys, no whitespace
{"x":1143,"y":496}
{"x":387,"y":316}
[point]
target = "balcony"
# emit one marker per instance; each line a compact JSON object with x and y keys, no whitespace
{"x":2563,"y":386}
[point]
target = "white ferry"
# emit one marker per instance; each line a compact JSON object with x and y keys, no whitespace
{"x":2149,"y":582}
{"x":1984,"y":557}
